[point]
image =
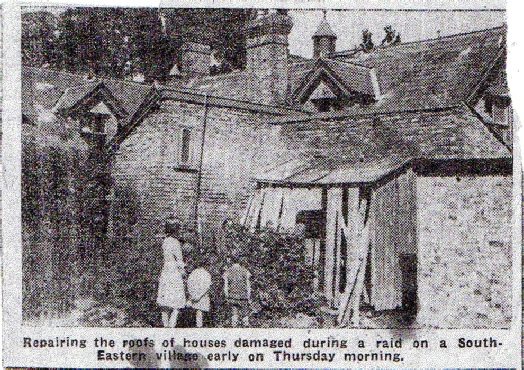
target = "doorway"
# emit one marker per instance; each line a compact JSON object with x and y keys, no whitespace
{"x":314,"y":222}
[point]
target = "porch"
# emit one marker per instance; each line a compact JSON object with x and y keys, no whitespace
{"x":360,"y":236}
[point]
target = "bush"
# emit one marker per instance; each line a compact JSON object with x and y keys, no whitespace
{"x":281,"y":281}
{"x":51,"y":205}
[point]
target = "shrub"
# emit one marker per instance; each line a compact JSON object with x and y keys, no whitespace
{"x":51,"y":205}
{"x":281,"y":281}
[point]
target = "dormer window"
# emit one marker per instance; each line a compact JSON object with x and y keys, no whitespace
{"x":500,"y":115}
{"x":498,"y":108}
{"x":323,"y":98}
{"x":333,"y":85}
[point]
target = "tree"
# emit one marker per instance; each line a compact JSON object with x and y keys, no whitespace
{"x":115,"y":41}
{"x":38,"y":36}
{"x":92,"y":39}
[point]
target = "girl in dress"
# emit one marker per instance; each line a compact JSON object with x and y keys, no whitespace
{"x":171,"y":292}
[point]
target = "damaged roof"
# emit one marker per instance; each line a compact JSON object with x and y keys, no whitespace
{"x":366,"y":148}
{"x":428,"y":74}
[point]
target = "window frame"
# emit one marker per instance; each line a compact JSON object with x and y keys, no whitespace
{"x":185,"y":147}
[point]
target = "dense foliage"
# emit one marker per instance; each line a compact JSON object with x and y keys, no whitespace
{"x":52,"y":208}
{"x":65,"y":210}
{"x":118,"y":41}
{"x":281,"y":281}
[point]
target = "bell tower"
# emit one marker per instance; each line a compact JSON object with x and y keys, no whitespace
{"x":324,"y":39}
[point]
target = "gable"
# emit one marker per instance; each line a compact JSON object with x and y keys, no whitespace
{"x":322,"y":91}
{"x":83,"y":98}
{"x":341,"y":81}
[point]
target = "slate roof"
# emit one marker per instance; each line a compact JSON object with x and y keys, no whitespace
{"x":428,"y":74}
{"x":435,"y":73}
{"x":365,"y":148}
{"x":232,"y":85}
{"x":241,"y":84}
{"x":44,"y":88}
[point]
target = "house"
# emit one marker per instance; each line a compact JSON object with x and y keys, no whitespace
{"x":398,"y":160}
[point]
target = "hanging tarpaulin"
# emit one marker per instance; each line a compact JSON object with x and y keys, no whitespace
{"x":299,"y":199}
{"x":344,"y":222}
{"x":349,"y":309}
{"x":269,"y":215}
{"x":244,"y":220}
{"x":253,"y":216}
{"x":333,"y":212}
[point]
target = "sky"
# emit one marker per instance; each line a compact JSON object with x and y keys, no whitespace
{"x":412,"y":25}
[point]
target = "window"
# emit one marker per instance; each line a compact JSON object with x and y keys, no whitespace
{"x":185,"y":146}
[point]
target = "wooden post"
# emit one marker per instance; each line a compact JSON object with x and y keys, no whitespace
{"x":334,"y":199}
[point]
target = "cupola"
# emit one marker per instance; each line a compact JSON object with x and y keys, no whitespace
{"x":324,"y":39}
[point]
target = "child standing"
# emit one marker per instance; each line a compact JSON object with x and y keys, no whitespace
{"x":171,"y":293}
{"x":198,"y":285}
{"x":237,"y":289}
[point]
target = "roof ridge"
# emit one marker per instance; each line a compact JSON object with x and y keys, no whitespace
{"x":98,"y":78}
{"x":347,"y":62}
{"x":342,"y":52}
{"x":218,"y":97}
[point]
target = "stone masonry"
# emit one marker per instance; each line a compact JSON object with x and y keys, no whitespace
{"x":464,"y":251}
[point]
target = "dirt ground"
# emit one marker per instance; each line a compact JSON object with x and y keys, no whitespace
{"x":89,"y":313}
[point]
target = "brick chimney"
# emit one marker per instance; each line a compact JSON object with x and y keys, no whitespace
{"x":196,"y":59}
{"x":267,"y":53}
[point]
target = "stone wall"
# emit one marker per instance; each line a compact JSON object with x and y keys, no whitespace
{"x":147,"y":167}
{"x":464,"y":251}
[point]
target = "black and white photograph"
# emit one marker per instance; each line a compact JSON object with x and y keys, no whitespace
{"x":266,"y":168}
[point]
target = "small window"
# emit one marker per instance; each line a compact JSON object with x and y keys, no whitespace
{"x":185,"y":146}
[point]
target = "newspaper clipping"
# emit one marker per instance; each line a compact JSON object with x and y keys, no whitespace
{"x":282,"y":184}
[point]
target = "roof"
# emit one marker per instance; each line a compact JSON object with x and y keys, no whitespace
{"x":230,"y":85}
{"x":324,"y":171}
{"x":324,"y":30}
{"x":348,"y":76}
{"x":44,"y":88}
{"x":79,"y":95}
{"x":216,"y":101}
{"x":365,"y":148}
{"x":241,"y":84}
{"x":499,"y":85}
{"x":428,"y":74}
